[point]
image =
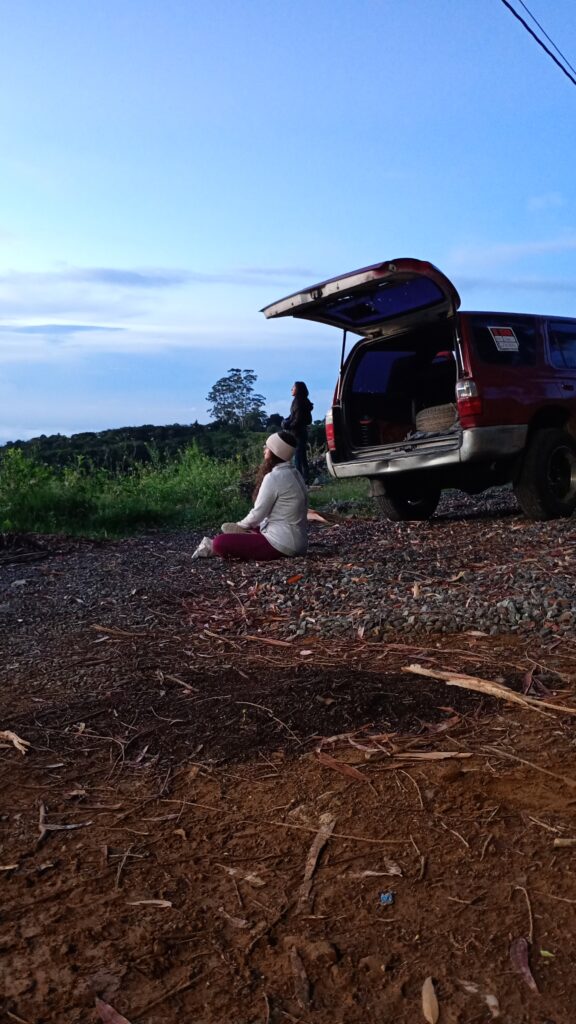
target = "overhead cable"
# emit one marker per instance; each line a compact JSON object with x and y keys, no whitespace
{"x":544,"y":33}
{"x":539,"y":41}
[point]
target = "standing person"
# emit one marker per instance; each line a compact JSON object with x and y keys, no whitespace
{"x":298,"y":422}
{"x":277,"y":526}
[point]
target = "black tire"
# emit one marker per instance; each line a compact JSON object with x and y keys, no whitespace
{"x":404,"y":503}
{"x":546,"y":484}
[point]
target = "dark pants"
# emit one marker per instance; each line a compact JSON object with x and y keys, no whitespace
{"x":301,"y":455}
{"x":251,"y":546}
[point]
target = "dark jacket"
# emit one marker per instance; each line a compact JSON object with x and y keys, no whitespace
{"x":300,"y":416}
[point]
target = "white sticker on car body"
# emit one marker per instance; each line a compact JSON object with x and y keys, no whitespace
{"x":505,"y":339}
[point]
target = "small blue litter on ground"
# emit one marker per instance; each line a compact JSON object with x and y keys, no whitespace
{"x":386,"y":899}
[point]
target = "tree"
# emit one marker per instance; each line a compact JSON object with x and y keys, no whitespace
{"x":232,"y":399}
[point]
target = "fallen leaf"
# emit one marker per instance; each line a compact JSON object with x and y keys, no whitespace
{"x":430,"y":1007}
{"x":546,"y":953}
{"x":340,"y":766}
{"x":416,"y":590}
{"x":519,"y":961}
{"x":564,"y":842}
{"x":108,"y":1014}
{"x":180,"y":832}
{"x":294,"y":579}
{"x":306,"y":654}
{"x":238,"y":922}
{"x":21,"y":745}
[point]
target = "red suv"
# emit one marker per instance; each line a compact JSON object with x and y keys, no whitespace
{"x":430,"y":397}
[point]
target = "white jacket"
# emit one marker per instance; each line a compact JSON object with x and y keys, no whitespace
{"x":280,"y":510}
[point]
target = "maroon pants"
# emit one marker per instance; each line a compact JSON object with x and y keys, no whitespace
{"x":250,"y":547}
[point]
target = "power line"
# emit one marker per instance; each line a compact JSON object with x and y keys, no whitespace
{"x":544,"y":33}
{"x":539,"y":41}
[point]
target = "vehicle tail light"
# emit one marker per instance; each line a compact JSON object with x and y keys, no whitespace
{"x":329,"y":426}
{"x":468,"y":399}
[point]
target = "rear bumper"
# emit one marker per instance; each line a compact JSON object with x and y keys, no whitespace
{"x":477,"y":444}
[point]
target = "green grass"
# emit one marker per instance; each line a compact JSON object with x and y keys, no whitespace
{"x":340,"y":491}
{"x":193,"y":492}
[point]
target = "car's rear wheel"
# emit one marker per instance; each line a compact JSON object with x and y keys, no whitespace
{"x":546,"y":484}
{"x":405,"y":502}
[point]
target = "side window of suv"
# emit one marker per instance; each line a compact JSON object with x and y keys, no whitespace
{"x":562,"y":337}
{"x":503,"y":341}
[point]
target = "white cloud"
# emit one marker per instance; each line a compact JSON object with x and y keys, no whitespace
{"x":507,"y":252}
{"x":547,"y":201}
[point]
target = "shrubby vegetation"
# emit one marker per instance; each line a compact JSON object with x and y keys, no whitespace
{"x":187,"y":489}
{"x":191,"y":490}
{"x":117,"y":482}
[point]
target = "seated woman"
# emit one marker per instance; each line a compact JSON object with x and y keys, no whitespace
{"x":276,"y":527}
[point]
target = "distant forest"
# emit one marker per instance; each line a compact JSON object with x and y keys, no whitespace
{"x":120,"y":448}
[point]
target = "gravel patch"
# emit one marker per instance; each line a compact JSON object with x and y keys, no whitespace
{"x":478,"y":565}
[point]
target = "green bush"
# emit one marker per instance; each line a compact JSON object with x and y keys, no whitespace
{"x":192,"y":491}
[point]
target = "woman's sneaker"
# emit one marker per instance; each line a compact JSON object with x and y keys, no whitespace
{"x":204,"y":549}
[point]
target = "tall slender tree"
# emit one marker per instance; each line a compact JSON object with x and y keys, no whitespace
{"x":232,"y":399}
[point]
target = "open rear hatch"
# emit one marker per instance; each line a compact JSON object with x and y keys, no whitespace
{"x":364,"y":301}
{"x":397,"y":390}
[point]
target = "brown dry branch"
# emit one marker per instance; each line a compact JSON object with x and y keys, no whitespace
{"x":11,"y":737}
{"x":250,"y":704}
{"x":530,"y":916}
{"x":322,"y":836}
{"x":531,"y":764}
{"x":44,"y":829}
{"x":14,"y":1016}
{"x":338,"y":835}
{"x":487,"y":687}
{"x":115,"y":631}
{"x":301,"y":981}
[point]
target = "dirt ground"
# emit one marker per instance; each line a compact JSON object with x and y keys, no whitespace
{"x":212,"y":824}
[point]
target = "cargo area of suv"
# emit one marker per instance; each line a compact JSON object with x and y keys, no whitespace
{"x":429,"y":398}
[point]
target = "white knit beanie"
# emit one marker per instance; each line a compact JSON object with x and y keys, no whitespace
{"x":280,"y":448}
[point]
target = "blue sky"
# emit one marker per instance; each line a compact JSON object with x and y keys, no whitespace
{"x":169,"y":168}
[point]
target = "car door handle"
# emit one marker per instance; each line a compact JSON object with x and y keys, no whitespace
{"x":567,"y":387}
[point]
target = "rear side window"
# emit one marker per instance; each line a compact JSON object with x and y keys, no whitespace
{"x":562,"y":338}
{"x":505,"y":341}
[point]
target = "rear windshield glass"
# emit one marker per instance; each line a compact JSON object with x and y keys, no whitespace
{"x":562,"y":344}
{"x":381,"y":369}
{"x":382,"y":301}
{"x":504,"y":341}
